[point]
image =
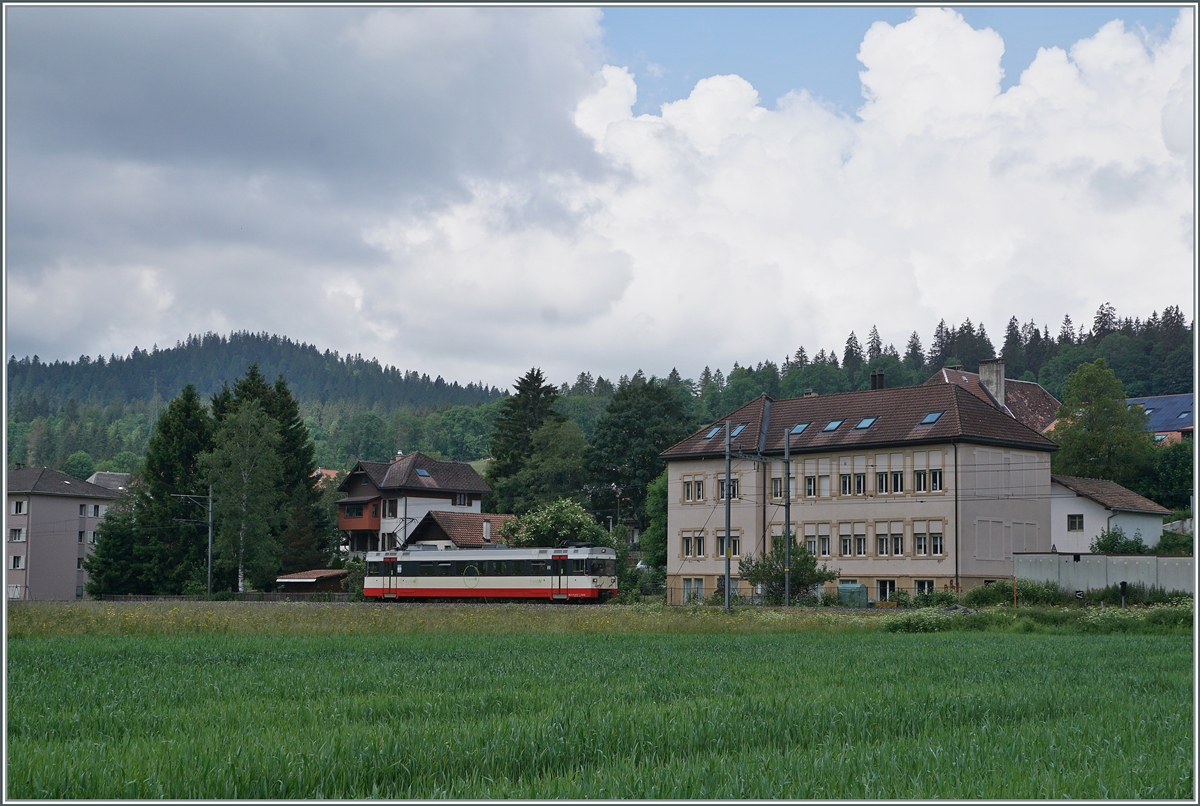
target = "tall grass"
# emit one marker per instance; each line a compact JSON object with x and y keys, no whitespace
{"x":557,"y":714}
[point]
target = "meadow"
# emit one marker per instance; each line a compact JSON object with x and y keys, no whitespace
{"x":223,"y":700}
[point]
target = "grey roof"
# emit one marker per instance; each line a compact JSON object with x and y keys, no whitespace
{"x":111,"y":481}
{"x":1167,"y":412}
{"x":44,"y":481}
{"x":454,"y":477}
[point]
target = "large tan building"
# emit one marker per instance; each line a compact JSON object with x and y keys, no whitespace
{"x":916,"y":489}
{"x":52,"y":520}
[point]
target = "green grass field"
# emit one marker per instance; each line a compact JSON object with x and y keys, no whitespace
{"x":288,"y":701}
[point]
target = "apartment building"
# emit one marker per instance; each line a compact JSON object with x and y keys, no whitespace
{"x":916,"y":489}
{"x":386,"y":500}
{"x":52,"y":520}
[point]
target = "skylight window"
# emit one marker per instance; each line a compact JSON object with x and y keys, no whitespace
{"x":713,"y":432}
{"x":1184,"y":414}
{"x":739,"y":429}
{"x":422,"y":471}
{"x":799,"y":429}
{"x":1148,"y":410}
{"x":833,"y":425}
{"x":866,"y":422}
{"x":931,"y":417}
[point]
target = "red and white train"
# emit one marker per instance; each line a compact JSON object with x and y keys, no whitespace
{"x":578,"y":573}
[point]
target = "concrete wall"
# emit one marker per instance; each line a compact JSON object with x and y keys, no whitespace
{"x":1101,"y":570}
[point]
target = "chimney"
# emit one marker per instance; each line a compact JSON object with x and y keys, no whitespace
{"x":487,"y":531}
{"x":877,"y":381}
{"x":991,"y":375}
{"x":809,"y":393}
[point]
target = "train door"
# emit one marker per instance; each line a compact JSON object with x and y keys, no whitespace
{"x":560,"y":576}
{"x":389,"y":577}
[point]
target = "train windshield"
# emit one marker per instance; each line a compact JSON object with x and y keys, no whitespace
{"x":603,"y":568}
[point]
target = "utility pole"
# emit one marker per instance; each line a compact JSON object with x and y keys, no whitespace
{"x":728,"y":502}
{"x":787,"y":519}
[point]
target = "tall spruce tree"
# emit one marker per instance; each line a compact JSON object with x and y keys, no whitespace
{"x":146,"y":548}
{"x":511,"y":443}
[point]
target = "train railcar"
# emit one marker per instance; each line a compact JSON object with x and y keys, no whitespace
{"x":580,"y":573}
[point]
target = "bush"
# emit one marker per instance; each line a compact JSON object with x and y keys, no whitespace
{"x":997,"y":593}
{"x":1175,"y":545}
{"x":1114,"y":541}
{"x":1029,"y":592}
{"x":942,"y":598}
{"x":1135,"y":594}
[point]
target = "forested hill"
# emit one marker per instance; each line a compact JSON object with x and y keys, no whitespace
{"x":208,"y":361}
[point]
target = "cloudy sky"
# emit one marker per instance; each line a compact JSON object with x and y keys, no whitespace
{"x":470,"y":192}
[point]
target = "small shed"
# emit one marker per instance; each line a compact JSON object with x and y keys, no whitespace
{"x":322,"y":580}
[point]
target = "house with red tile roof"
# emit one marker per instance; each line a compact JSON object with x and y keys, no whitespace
{"x":916,"y":488}
{"x":1080,"y":509}
{"x":459,"y":530}
{"x":385,"y":500}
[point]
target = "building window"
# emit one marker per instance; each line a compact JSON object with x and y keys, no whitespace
{"x":881,"y":480}
{"x":777,"y":488}
{"x":687,"y":544}
{"x":735,"y":543}
{"x":810,"y":486}
{"x":923,"y":586}
{"x":461,"y":500}
{"x":18,"y":562}
{"x":860,"y":483}
{"x":687,"y":489}
{"x":810,"y":545}
{"x":81,"y":537}
{"x":693,"y":589}
{"x":78,"y":563}
{"x":95,"y":510}
{"x":698,"y":540}
{"x":846,"y":488}
{"x":18,"y":535}
{"x":733,"y":489}
{"x":935,"y":481}
{"x":93,"y":537}
{"x":823,"y":486}
{"x":374,"y":510}
{"x":885,"y":588}
{"x":920,"y":544}
{"x":83,"y":510}
{"x":391,"y":507}
{"x":881,"y":544}
{"x":1074,"y":523}
{"x":897,"y":544}
{"x":919,"y":481}
{"x":353,"y":510}
{"x":936,"y":539}
{"x":824,"y":545}
{"x":18,"y":508}
{"x":14,"y":591}
{"x":699,"y":489}
{"x":897,"y":481}
{"x":847,"y":546}
{"x":860,"y":545}
{"x":78,"y":591}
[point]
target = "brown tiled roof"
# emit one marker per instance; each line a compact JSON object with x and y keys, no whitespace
{"x":965,"y":418}
{"x":1109,"y":494}
{"x":44,"y":481}
{"x":455,"y":477}
{"x":306,"y":576}
{"x":1028,"y":402}
{"x":464,"y":529}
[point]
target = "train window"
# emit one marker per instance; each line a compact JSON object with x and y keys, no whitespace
{"x":604,"y":568}
{"x":473,"y":569}
{"x":578,"y":566}
{"x":444,"y":569}
{"x":406,"y":569}
{"x":537,"y":567}
{"x":426,"y":569}
{"x":374,"y":568}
